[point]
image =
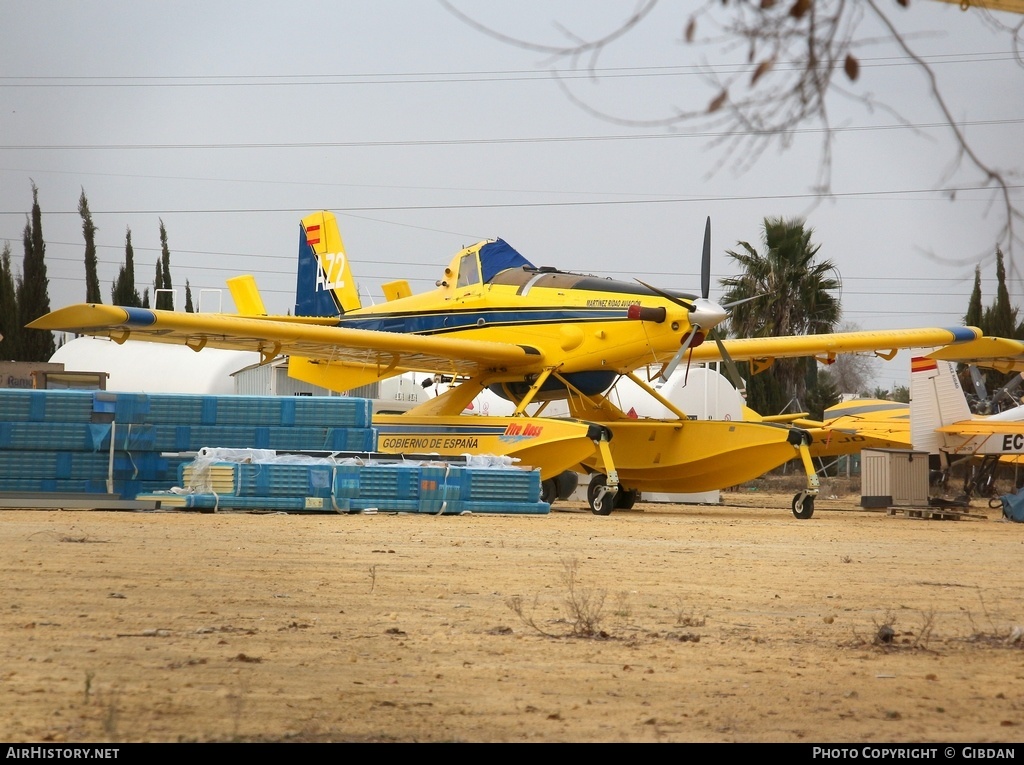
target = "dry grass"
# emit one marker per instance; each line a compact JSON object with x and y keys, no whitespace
{"x":584,"y":607}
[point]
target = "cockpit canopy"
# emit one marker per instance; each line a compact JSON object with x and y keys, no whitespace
{"x":481,"y":263}
{"x":497,"y":262}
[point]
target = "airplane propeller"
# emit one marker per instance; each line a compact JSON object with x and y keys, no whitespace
{"x":705,"y":314}
{"x":1002,"y":398}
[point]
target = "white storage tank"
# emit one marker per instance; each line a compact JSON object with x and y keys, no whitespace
{"x":155,"y":367}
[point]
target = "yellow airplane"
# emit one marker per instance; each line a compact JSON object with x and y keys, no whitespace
{"x":861,"y":423}
{"x":938,"y":420}
{"x":531,"y":334}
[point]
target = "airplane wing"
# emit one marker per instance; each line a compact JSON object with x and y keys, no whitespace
{"x":982,"y":426}
{"x":762,"y":351}
{"x":999,"y":353}
{"x":272,"y":337}
{"x":858,"y":424}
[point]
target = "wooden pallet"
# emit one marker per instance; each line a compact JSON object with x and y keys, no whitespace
{"x":930,"y":513}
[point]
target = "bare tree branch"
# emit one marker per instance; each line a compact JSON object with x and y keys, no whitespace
{"x":1012,"y":214}
{"x":797,"y":53}
{"x":576,"y":50}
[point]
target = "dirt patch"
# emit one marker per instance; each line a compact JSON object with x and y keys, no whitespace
{"x":734,"y":622}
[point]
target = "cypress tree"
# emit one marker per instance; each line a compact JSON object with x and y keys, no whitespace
{"x":997,"y":320}
{"x":1004,"y":316}
{"x":32,"y":289}
{"x":973,"y":318}
{"x":123,"y":291}
{"x":92,"y":281}
{"x":9,"y":326}
{"x":164,"y":300}
{"x":157,"y":282}
{"x":188,"y":298}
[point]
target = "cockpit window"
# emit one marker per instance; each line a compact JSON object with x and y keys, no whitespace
{"x":498,"y":256}
{"x":469,"y":271}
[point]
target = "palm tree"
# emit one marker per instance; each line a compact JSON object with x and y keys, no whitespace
{"x":799,"y":295}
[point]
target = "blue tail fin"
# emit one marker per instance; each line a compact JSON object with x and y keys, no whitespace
{"x":324,"y":285}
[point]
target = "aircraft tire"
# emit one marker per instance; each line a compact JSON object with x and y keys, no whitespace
{"x":803,"y":506}
{"x":626,"y":498}
{"x":566,"y":483}
{"x":606,"y":503}
{"x":548,"y":491}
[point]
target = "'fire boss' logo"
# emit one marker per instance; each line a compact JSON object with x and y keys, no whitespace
{"x":517,"y":432}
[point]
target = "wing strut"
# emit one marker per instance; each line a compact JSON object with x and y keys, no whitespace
{"x":657,"y":396}
{"x":536,"y":386}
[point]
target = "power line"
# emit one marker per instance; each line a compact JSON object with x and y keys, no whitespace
{"x":496,"y":141}
{"x":886,"y":279}
{"x":920,"y":281}
{"x":517,"y":205}
{"x":406,"y":78}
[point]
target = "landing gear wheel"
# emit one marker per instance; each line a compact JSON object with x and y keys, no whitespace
{"x":601,"y":502}
{"x":623,"y":499}
{"x":548,"y":491}
{"x":605,"y":504}
{"x":626,"y":499}
{"x":803,"y":505}
{"x":566,"y":483}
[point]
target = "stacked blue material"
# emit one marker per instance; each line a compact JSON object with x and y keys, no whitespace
{"x":329,"y":486}
{"x":98,"y":442}
{"x":60,"y":440}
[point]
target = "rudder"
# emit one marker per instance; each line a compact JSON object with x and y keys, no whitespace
{"x":324,"y":284}
{"x":936,"y":399}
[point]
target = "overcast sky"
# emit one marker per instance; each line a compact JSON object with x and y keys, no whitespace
{"x":230,"y":121}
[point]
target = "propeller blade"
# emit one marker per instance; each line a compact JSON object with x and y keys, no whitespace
{"x":730,"y":365}
{"x":1006,"y":392}
{"x":671,"y":298}
{"x":705,"y":262}
{"x":671,"y":366}
{"x":741,"y":301}
{"x":978,"y":378}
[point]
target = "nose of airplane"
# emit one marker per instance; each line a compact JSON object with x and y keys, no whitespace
{"x":707,"y":313}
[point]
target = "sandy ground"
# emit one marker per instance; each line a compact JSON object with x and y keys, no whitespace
{"x":669,"y":623}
